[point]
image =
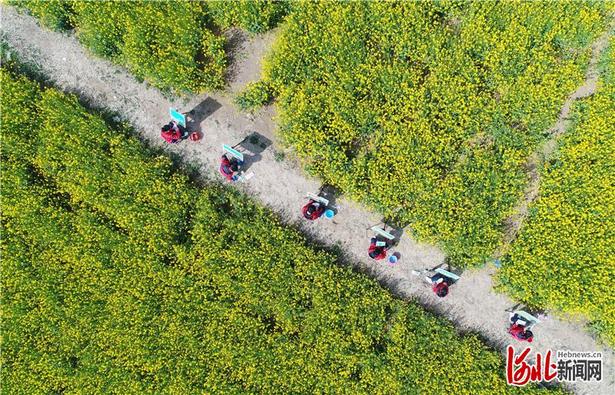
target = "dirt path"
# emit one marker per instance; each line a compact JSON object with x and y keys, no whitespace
{"x":472,"y":305}
{"x":543,"y":153}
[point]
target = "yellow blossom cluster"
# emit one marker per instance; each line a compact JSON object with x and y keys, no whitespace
{"x":428,"y":110}
{"x":564,"y":257}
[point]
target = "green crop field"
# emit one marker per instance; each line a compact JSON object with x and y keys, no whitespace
{"x":171,"y":44}
{"x":564,"y":255}
{"x":428,"y":111}
{"x":119,"y":274}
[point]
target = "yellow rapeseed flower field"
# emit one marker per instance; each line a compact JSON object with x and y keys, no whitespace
{"x":428,"y":110}
{"x":565,"y":253}
{"x":120,"y":276}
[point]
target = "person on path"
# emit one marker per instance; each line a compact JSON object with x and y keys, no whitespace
{"x":439,"y":282}
{"x":230,"y":167}
{"x":377,"y":252}
{"x":173,"y":133}
{"x":440,"y":286}
{"x":519,"y":331}
{"x":313,"y":210}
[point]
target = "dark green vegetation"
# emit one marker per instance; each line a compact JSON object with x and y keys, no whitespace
{"x":175,"y":45}
{"x":119,"y":275}
{"x":428,"y":111}
{"x":253,"y":16}
{"x":254,"y":96}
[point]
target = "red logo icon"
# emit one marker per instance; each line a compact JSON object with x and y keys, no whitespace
{"x":519,"y":372}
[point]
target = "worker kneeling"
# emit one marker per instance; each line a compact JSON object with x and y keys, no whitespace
{"x":519,"y":330}
{"x":173,"y":132}
{"x":313,"y":210}
{"x":378,"y":249}
{"x":440,"y":284}
{"x":230,"y":167}
{"x":440,"y":280}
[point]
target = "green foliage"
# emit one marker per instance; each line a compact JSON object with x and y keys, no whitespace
{"x":167,"y":44}
{"x":256,"y":16}
{"x":428,"y":110}
{"x":278,"y":156}
{"x":10,"y":60}
{"x":98,"y":27}
{"x":120,"y":276}
{"x":56,"y":14}
{"x":254,"y":96}
{"x":564,"y":254}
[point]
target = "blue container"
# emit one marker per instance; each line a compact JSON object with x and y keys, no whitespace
{"x":329,"y":214}
{"x":393,"y":259}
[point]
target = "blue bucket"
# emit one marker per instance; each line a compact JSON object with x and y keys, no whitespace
{"x":393,"y":259}
{"x":329,"y":214}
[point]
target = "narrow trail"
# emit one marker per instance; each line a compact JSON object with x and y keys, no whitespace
{"x":535,"y":162}
{"x":472,"y":305}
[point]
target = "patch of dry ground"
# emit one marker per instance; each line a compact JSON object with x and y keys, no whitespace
{"x":472,"y":305}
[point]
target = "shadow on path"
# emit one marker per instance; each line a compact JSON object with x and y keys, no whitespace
{"x":198,"y":114}
{"x":255,"y":143}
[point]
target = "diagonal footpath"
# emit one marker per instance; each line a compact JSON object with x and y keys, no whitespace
{"x":472,"y":304}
